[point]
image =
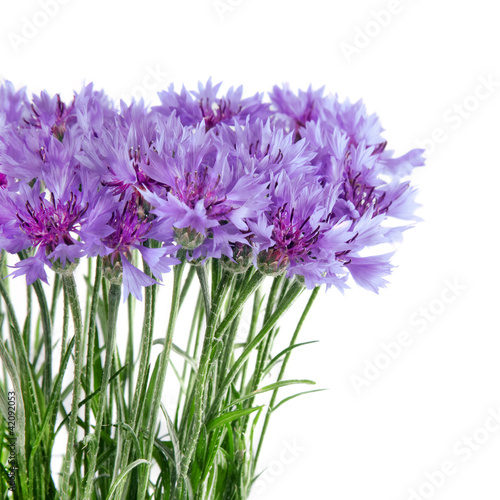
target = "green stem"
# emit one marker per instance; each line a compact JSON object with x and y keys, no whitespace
{"x":55,"y":398}
{"x":70,"y":290}
{"x":201,"y":271}
{"x":264,"y":347}
{"x":47,"y":338}
{"x":281,"y":374}
{"x":257,"y":303}
{"x":249,"y":289}
{"x":182,"y":429}
{"x":47,"y":334}
{"x":91,"y":334}
{"x":206,"y":360}
{"x":228,"y":342}
{"x":294,"y":291}
{"x":56,"y":289}
{"x":115,"y":292}
{"x":192,"y":330}
{"x":187,"y":284}
{"x":129,"y":357}
{"x":145,"y":355}
{"x":160,"y":380}
{"x":27,"y":323}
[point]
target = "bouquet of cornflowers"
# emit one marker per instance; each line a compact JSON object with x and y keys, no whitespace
{"x":255,"y":199}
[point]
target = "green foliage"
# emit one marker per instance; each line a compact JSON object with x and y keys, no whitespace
{"x":122,"y":442}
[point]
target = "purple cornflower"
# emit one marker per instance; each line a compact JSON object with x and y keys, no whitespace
{"x":208,"y":200}
{"x":131,"y":229}
{"x":118,"y":154}
{"x":268,"y":149}
{"x":58,"y":225}
{"x":297,"y":236}
{"x":14,"y":105}
{"x":204,"y":106}
{"x":294,"y":111}
{"x":306,"y":184}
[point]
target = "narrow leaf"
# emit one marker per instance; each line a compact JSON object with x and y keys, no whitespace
{"x":230,"y":417}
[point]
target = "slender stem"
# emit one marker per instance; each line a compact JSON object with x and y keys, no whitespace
{"x":281,"y":374}
{"x":116,"y":387}
{"x":71,"y":291}
{"x":192,"y":377}
{"x":253,"y":327}
{"x":114,"y":304}
{"x":92,"y":321}
{"x":47,"y":334}
{"x":160,"y":380}
{"x":264,"y":347}
{"x":206,"y":360}
{"x":55,"y":398}
{"x":146,"y":342}
{"x":201,"y":271}
{"x":27,"y":323}
{"x":88,"y":297}
{"x":47,"y":338}
{"x":56,"y":290}
{"x":294,"y":291}
{"x":129,"y":357}
{"x":216,"y":275}
{"x":145,"y":355}
{"x":228,"y":349}
{"x":249,"y":289}
{"x":228,"y":343}
{"x":187,"y":284}
{"x":192,"y":330}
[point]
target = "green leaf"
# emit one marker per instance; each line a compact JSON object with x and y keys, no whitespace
{"x":123,"y":475}
{"x":228,"y":417}
{"x":174,"y":438}
{"x":270,"y":387}
{"x":85,"y":400}
{"x":282,"y":353}
{"x":295,"y":396}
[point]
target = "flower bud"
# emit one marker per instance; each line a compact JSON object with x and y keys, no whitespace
{"x":272,"y":262}
{"x":242,"y":259}
{"x":67,"y":269}
{"x":188,"y":237}
{"x":112,"y":271}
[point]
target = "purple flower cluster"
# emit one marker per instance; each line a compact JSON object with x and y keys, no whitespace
{"x":302,"y":184}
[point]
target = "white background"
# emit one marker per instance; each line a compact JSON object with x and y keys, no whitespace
{"x":417,"y":72}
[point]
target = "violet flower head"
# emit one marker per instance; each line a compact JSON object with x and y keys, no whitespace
{"x":303,"y":185}
{"x":13,"y":104}
{"x":209,"y":200}
{"x":119,"y":153}
{"x":57,"y":225}
{"x":205,"y":106}
{"x":294,"y":111}
{"x":131,"y":230}
{"x":297,"y":235}
{"x":266,"y":148}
